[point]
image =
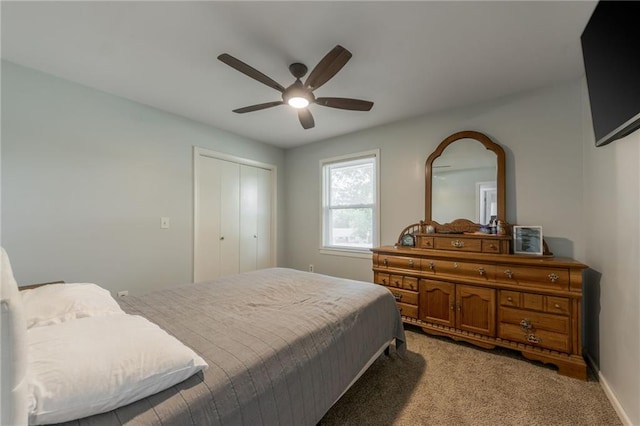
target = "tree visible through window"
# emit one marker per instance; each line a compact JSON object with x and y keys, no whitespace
{"x":350,"y":202}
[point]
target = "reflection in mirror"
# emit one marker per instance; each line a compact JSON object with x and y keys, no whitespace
{"x":464,"y":183}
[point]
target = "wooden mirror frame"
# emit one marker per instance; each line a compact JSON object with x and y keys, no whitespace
{"x":500,"y":178}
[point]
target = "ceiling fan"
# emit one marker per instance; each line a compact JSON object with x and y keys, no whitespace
{"x":299,"y":95}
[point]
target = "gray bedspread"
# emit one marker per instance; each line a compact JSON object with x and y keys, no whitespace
{"x":282,"y":345}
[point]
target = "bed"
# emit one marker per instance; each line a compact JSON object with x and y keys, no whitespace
{"x":281,"y":345}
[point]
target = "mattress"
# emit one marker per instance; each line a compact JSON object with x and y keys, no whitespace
{"x":282,"y":346}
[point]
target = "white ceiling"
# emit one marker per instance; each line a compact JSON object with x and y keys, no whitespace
{"x":409,"y":58}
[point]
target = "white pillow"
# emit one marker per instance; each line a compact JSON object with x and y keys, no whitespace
{"x":13,"y":349}
{"x":56,"y":303}
{"x":94,"y":365}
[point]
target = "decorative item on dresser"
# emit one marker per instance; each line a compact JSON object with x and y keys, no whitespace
{"x":462,"y":282}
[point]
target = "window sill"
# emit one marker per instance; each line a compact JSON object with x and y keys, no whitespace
{"x":363,"y":254}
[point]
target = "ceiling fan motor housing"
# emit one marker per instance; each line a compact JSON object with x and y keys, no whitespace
{"x":298,"y":70}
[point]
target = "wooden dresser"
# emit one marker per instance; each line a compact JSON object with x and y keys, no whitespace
{"x":469,"y":288}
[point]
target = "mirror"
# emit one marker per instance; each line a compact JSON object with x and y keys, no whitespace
{"x":465,"y":180}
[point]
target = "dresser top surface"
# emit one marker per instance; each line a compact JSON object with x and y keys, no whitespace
{"x":528,"y":260}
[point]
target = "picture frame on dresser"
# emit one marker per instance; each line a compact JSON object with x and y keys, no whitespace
{"x":528,"y":240}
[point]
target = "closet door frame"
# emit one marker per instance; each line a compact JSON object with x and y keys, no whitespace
{"x":204,"y":152}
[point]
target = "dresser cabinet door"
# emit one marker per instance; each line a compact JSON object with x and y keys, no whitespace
{"x":476,"y":307}
{"x":437,"y":302}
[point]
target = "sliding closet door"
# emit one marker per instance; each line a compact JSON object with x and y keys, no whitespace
{"x":207,"y":211}
{"x":264,"y":243}
{"x":255,"y":218}
{"x":229,"y":218}
{"x":217,"y":209}
{"x":248,"y":213}
{"x":233,"y":219}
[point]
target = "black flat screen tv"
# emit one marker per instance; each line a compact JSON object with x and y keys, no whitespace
{"x":611,"y":52}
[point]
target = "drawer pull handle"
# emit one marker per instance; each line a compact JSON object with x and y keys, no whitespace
{"x":432,"y":265}
{"x":384,"y":281}
{"x":385,"y":261}
{"x":532,"y":338}
{"x":452,"y":306}
{"x":557,"y":306}
{"x":525,"y":324}
{"x":481,"y":271}
{"x":398,"y":296}
{"x":509,"y":273}
{"x":397,"y":283}
{"x":510,"y":299}
{"x":455,"y":265}
{"x":411,"y":262}
{"x":492,"y":246}
{"x":457,"y":243}
{"x":553,"y":277}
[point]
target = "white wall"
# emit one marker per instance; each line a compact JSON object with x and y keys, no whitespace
{"x":612,"y":290}
{"x":542,"y":136}
{"x":86,"y":177}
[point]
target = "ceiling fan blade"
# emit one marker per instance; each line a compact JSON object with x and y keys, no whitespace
{"x":250,"y":71}
{"x":258,"y":107}
{"x":306,"y":119}
{"x":328,"y":67}
{"x":345,"y":103}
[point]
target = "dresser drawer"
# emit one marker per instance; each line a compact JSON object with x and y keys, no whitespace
{"x":381,"y":278}
{"x":458,"y":244}
{"x":491,"y":246}
{"x":405,"y":296}
{"x":510,"y":298}
{"x":479,"y":271}
{"x":541,"y":338}
{"x":534,"y":320}
{"x":399,"y":262}
{"x":556,"y":278}
{"x":410,"y":283}
{"x":408,"y":310}
{"x":557,"y":305}
{"x":425,"y":242}
{"x":395,"y":281}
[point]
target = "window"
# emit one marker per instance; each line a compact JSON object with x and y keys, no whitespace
{"x":350,"y":202}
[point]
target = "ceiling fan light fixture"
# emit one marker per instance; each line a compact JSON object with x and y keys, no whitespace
{"x":298,"y":102}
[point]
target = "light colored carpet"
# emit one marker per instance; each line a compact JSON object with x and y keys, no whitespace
{"x":443,"y":382}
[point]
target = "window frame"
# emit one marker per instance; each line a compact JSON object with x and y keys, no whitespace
{"x":364,"y":252}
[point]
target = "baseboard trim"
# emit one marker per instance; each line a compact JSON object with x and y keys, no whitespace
{"x":609,"y":393}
